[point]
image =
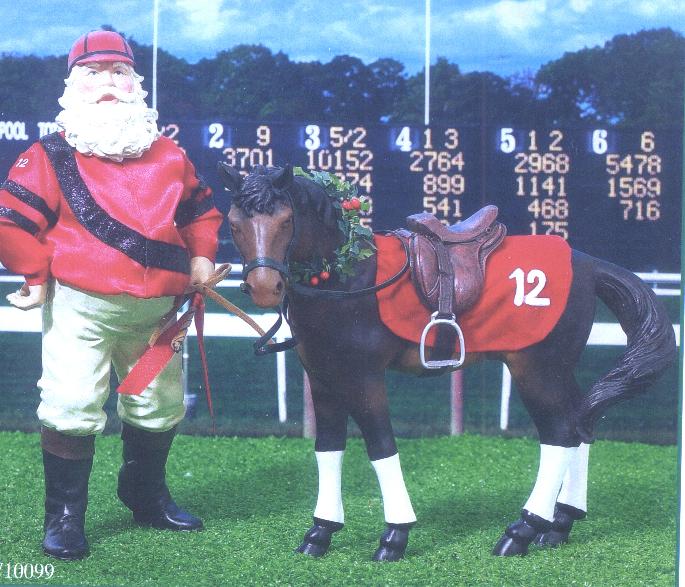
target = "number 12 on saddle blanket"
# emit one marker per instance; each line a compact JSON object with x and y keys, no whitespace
{"x":527,"y":282}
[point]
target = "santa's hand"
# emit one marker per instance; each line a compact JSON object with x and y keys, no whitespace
{"x":201,"y":269}
{"x":29,"y":296}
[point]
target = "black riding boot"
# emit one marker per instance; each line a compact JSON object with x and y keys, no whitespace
{"x":142,"y":484}
{"x":66,"y":499}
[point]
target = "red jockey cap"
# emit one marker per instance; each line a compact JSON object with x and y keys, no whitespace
{"x":100,"y":46}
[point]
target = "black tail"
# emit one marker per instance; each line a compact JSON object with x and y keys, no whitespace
{"x":651,"y":342}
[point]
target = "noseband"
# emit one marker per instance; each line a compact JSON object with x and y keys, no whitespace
{"x":281,"y":267}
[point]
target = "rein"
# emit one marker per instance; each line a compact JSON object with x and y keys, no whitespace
{"x":171,"y":332}
{"x":337,"y":294}
{"x":262,"y":346}
{"x":265,"y":345}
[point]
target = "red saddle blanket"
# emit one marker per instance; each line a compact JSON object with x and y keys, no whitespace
{"x":527,"y":282}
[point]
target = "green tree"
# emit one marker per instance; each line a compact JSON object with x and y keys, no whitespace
{"x":238,"y":83}
{"x":31,"y":86}
{"x":347,"y":86}
{"x":176,"y":89}
{"x":295,"y":91}
{"x":456,"y":98}
{"x":389,"y":85}
{"x":632,"y":80}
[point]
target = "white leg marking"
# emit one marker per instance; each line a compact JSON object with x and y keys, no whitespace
{"x":554,"y":461}
{"x":574,"y":488}
{"x":329,"y":504}
{"x":396,"y":503}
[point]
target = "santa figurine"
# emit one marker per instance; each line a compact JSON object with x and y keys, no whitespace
{"x":107,"y":221}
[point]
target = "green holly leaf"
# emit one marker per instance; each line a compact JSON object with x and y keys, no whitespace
{"x":358,"y":243}
{"x":362,"y":231}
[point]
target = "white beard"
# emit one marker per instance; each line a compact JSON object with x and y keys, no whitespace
{"x":114,"y":130}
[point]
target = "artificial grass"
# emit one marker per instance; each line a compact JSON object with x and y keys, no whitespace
{"x":257,"y":496}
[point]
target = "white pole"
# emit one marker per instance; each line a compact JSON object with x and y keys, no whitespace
{"x":155,"y":34}
{"x":681,"y":563}
{"x":506,"y":395}
{"x":281,"y":384}
{"x":427,"y":66}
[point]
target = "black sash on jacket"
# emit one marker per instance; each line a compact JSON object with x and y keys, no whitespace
{"x":147,"y":252}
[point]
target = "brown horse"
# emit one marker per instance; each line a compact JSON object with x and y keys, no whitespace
{"x":278,"y":219}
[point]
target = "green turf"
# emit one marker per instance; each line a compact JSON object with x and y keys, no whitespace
{"x":256,"y":497}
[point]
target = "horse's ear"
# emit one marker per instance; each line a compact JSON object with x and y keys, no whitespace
{"x":231,"y":177}
{"x":284,"y":178}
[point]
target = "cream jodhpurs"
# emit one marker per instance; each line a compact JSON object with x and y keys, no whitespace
{"x":83,"y":335}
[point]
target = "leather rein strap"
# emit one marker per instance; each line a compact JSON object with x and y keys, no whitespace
{"x":168,"y":337}
{"x":260,"y":346}
{"x":265,"y":345}
{"x":335,"y":294}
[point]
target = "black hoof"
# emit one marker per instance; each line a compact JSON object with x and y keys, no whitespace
{"x":313,"y":549}
{"x":393,"y":543}
{"x":564,"y":516}
{"x":519,"y":535}
{"x":507,"y":546}
{"x":317,"y":540}
{"x":551,"y":539}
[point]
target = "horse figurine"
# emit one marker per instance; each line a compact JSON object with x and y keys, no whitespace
{"x":279,"y":219}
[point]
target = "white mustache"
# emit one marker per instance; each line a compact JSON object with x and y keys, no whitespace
{"x":97,"y":95}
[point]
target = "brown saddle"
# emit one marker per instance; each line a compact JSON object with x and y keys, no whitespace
{"x":448,"y":272}
{"x":454,"y":255}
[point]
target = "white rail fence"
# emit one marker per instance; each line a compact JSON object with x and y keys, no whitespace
{"x":225,"y":325}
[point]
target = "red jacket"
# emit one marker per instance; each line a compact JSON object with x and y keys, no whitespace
{"x":103,"y":226}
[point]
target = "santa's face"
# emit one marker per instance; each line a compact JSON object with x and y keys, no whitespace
{"x":101,"y":82}
{"x":105,"y":112}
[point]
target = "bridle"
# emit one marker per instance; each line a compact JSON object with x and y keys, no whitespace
{"x":262,"y":346}
{"x":280,"y":266}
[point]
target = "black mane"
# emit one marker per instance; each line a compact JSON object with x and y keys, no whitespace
{"x":258,"y":195}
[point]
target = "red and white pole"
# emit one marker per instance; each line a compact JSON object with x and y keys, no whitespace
{"x":457,"y":403}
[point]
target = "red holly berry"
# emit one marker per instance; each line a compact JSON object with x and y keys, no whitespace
{"x":324,"y":275}
{"x":346,"y":205}
{"x":314,"y":280}
{"x":355,"y":203}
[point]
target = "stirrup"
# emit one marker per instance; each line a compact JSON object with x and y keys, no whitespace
{"x":452,"y":363}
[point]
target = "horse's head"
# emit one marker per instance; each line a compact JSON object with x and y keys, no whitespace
{"x":262,"y":225}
